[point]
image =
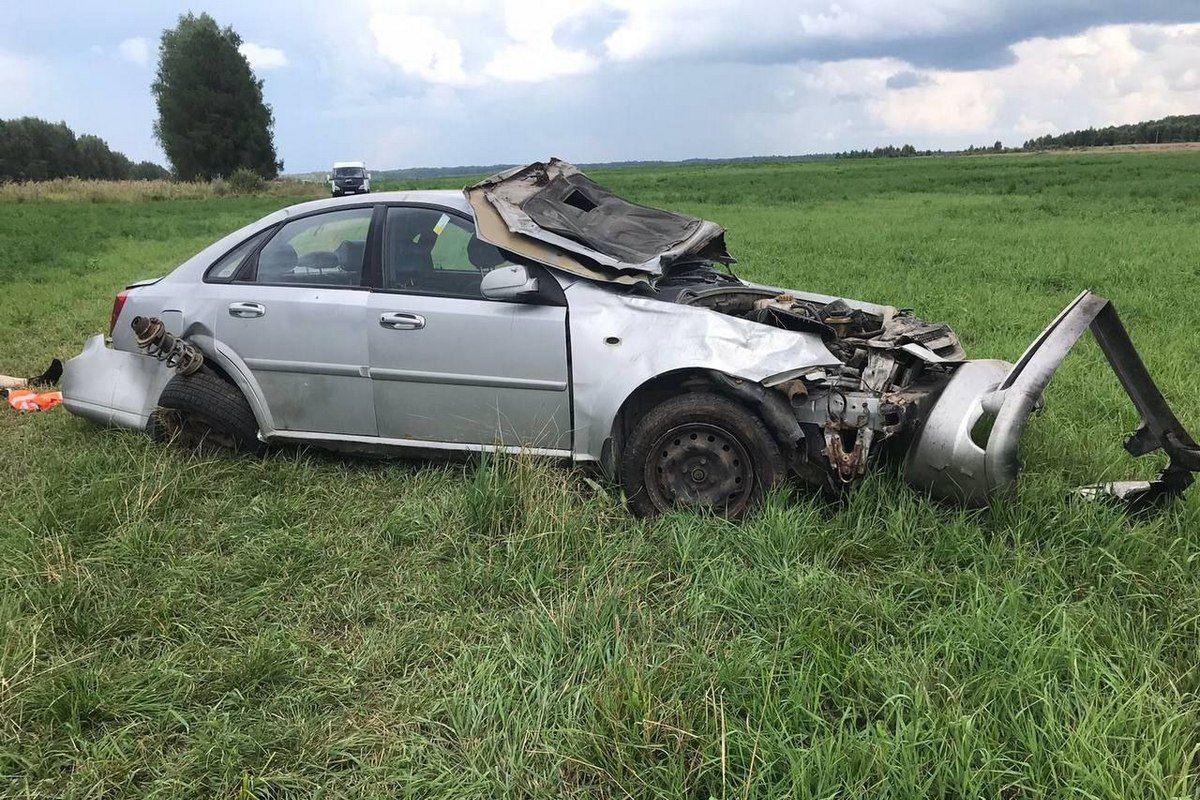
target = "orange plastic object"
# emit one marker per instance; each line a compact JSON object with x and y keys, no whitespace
{"x":24,"y":400}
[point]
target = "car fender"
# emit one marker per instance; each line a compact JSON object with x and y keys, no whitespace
{"x":191,"y":319}
{"x":619,"y":342}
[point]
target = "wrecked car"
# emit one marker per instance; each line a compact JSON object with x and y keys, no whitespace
{"x":538,"y":312}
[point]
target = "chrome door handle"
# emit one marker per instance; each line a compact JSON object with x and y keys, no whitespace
{"x":402,"y":322}
{"x":246,"y":310}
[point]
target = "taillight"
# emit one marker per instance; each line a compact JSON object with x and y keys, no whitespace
{"x":118,"y":304}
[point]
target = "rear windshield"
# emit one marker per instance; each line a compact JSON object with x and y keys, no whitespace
{"x":348,"y":172}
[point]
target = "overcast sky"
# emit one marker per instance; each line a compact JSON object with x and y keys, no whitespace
{"x":449,"y":82}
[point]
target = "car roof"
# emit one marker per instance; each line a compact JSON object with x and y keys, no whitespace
{"x":449,"y":198}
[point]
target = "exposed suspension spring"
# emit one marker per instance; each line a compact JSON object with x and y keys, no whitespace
{"x":154,"y":338}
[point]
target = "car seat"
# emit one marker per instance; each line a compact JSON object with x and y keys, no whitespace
{"x":350,"y":255}
{"x":276,"y":262}
{"x":483,"y":256}
{"x":412,"y":257}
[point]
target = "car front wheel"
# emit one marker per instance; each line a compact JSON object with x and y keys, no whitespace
{"x":700,"y":450}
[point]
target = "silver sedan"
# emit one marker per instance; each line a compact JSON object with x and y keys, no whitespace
{"x":538,"y":312}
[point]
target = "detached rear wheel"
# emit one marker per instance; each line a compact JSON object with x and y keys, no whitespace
{"x":700,"y":450}
{"x":202,"y":411}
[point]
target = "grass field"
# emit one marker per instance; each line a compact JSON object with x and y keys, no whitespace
{"x":311,"y":625}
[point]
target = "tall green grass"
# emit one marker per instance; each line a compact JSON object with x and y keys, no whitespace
{"x":307,"y":624}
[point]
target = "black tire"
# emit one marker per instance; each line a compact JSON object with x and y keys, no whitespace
{"x":700,"y":450}
{"x":202,"y":411}
{"x":336,"y":194}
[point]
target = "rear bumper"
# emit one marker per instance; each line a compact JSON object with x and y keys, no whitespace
{"x":955,"y":457}
{"x":112,"y":387}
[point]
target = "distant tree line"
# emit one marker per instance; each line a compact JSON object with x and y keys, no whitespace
{"x":889,"y":151}
{"x":1183,"y":128}
{"x":1180,"y":128}
{"x":907,"y":151}
{"x":33,"y":149}
{"x":411,"y":173}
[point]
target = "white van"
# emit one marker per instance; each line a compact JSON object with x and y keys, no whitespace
{"x":349,"y":177}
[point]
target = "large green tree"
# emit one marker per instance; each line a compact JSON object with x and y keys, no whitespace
{"x":211,"y":116}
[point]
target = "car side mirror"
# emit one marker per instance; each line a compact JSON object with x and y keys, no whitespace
{"x":508,"y":283}
{"x":368,"y":176}
{"x":329,"y":177}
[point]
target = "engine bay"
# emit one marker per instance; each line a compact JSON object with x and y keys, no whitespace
{"x":894,"y":366}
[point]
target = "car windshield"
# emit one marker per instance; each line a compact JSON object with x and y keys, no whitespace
{"x":348,"y":172}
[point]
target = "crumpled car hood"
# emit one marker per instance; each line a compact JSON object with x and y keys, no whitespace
{"x":554,"y":214}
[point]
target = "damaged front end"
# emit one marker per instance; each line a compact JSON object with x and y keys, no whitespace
{"x":893,"y":368}
{"x":905,"y":388}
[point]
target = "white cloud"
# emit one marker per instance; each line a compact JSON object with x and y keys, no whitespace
{"x":952,"y":102}
{"x":1033,"y":128}
{"x":472,"y":43}
{"x":135,"y":50}
{"x":537,"y":61}
{"x":419,"y":47}
{"x":947,"y":33}
{"x":533,"y":55}
{"x":954,"y":34}
{"x":1106,"y":75}
{"x":263,"y":58}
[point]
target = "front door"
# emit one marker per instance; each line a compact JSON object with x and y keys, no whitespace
{"x":295,"y":317}
{"x":450,"y":366}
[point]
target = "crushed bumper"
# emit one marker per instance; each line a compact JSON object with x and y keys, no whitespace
{"x":112,"y":387}
{"x":955,"y":457}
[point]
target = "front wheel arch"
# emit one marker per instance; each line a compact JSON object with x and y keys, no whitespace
{"x":766,"y":404}
{"x":644,"y":397}
{"x":700,"y":448}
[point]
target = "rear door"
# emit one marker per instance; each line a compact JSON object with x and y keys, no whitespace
{"x":295,"y":311}
{"x":447,"y":364}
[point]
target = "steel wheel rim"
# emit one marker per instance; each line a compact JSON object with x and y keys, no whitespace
{"x":701,"y":465}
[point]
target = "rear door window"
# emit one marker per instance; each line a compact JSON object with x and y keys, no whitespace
{"x":325,"y":249}
{"x":227,"y":266}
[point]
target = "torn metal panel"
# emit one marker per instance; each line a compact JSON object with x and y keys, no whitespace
{"x":555,"y":203}
{"x":490,"y":227}
{"x":952,"y":459}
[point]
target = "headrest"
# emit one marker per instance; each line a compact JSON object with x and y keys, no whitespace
{"x":482,"y":255}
